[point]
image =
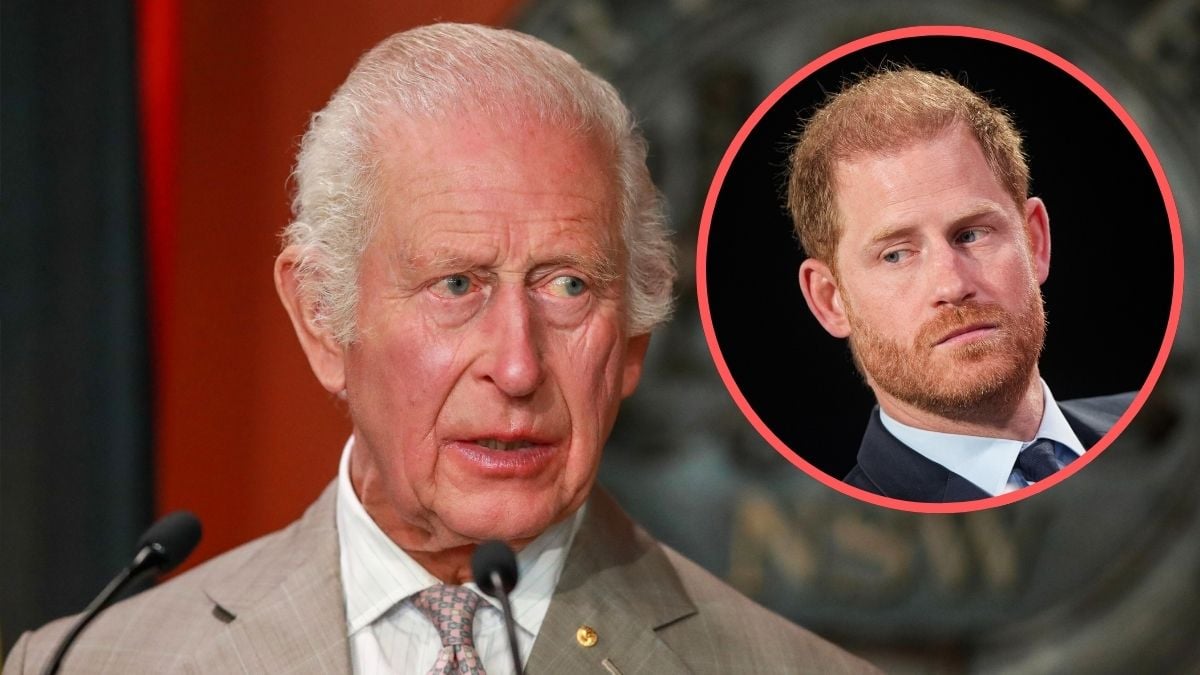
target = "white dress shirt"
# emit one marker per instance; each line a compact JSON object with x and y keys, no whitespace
{"x":388,"y":634}
{"x":986,"y":462}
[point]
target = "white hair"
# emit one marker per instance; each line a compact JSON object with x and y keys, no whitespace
{"x":428,"y":72}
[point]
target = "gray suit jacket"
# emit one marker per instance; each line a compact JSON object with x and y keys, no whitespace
{"x":275,"y":605}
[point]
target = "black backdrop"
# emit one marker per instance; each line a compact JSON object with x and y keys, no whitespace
{"x":1107,"y":297}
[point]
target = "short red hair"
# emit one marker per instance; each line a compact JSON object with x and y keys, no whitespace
{"x":886,"y":111}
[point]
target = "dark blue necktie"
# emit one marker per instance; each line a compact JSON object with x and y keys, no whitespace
{"x":1041,"y":459}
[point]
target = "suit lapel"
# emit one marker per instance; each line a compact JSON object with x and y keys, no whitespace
{"x":618,"y":582}
{"x":959,"y":489}
{"x":289,"y":616}
{"x":899,"y":471}
{"x":903,"y":473}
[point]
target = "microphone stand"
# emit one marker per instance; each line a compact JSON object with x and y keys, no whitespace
{"x":140,"y":565}
{"x":502,"y":595}
{"x":494,"y":566}
{"x":160,"y":549}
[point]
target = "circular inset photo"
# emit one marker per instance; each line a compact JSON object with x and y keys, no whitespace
{"x":940,"y":269}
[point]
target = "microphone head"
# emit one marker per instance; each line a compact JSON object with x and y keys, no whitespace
{"x":171,"y":539}
{"x":494,"y":556}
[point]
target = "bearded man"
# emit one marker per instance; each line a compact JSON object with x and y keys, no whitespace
{"x":909,"y":194}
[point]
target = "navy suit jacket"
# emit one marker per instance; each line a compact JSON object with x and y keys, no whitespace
{"x":890,"y":468}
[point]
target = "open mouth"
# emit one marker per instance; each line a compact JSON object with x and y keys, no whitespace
{"x":504,"y":446}
{"x":517,"y":456}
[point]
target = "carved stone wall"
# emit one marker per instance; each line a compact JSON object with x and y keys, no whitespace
{"x":1100,"y":574}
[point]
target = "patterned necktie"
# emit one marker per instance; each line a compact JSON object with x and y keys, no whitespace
{"x":1041,"y":459}
{"x":451,"y":609}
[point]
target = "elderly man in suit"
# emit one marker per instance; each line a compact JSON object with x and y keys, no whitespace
{"x":909,"y":193}
{"x":476,"y":262}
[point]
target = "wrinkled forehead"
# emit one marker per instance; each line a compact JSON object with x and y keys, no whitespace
{"x":506,"y":174}
{"x":522,"y":128}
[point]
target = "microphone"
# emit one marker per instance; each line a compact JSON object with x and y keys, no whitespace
{"x":160,"y":549}
{"x":168,"y":542}
{"x":495,"y":570}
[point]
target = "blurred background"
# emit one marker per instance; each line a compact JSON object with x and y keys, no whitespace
{"x":146,"y":365}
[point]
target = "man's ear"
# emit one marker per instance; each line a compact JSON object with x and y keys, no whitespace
{"x":325,"y":355}
{"x":1037,"y":227}
{"x":823,"y":297}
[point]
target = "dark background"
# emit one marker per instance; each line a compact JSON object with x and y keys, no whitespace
{"x":1107,"y":297}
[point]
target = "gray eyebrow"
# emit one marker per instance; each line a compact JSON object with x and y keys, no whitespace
{"x":602,"y":268}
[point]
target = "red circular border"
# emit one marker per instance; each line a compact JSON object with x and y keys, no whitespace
{"x":926,"y":31}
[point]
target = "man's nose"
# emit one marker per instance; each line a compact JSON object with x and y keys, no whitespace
{"x":512,"y":357}
{"x":952,"y":275}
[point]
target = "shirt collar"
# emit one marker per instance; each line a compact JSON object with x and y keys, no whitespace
{"x":986,"y":462}
{"x":377,"y":574}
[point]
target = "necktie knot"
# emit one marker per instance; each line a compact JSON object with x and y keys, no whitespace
{"x":451,"y":609}
{"x":1041,"y":459}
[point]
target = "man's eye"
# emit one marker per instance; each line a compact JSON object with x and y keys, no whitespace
{"x":455,"y":285}
{"x":969,"y":236}
{"x":567,"y":286}
{"x":894,"y":256}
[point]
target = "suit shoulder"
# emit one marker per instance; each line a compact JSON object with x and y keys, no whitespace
{"x":1112,"y":405}
{"x":1094,"y":416}
{"x":174,"y":616}
{"x":735,"y":624}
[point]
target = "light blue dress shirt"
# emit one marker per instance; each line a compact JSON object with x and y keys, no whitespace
{"x":986,"y":462}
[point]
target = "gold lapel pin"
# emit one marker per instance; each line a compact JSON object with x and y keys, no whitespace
{"x":586,"y":636}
